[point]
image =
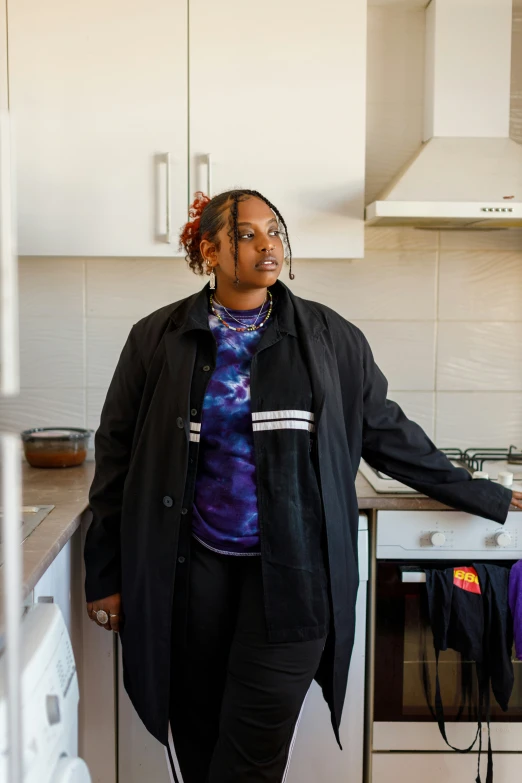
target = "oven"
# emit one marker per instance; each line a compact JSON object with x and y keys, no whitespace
{"x":404,"y":738}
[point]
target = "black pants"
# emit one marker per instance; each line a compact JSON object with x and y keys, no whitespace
{"x":235,"y":698}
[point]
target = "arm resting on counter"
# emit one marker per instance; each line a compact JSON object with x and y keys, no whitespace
{"x":397,"y":446}
{"x":113,"y":446}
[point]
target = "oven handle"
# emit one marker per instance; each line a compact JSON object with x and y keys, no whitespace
{"x":412,"y":576}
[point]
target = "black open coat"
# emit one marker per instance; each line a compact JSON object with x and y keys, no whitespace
{"x":309,"y":359}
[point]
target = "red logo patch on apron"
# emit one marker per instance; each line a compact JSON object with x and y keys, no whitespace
{"x":466,"y":579}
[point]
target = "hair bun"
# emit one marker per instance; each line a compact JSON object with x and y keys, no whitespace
{"x":198,"y":205}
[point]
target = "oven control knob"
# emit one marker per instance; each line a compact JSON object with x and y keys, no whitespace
{"x":438,"y":539}
{"x":502,"y":539}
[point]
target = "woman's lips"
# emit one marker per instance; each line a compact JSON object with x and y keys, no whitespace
{"x":267,"y":264}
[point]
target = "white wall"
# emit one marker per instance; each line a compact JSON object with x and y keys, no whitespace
{"x":442,"y":310}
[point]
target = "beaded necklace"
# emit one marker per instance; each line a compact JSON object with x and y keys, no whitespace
{"x":252,"y":328}
{"x":243,"y":319}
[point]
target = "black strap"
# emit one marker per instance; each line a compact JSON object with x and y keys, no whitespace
{"x":483,"y":700}
{"x":439,"y":712}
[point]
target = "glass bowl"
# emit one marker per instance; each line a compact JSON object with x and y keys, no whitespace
{"x":55,"y":447}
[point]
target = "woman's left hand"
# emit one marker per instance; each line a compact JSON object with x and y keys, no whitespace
{"x":516,"y":501}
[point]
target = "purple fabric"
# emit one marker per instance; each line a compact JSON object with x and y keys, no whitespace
{"x":225,"y":500}
{"x":515,"y":604}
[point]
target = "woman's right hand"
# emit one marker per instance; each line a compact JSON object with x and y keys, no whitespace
{"x":111,"y":605}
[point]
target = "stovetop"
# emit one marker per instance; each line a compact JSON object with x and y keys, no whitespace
{"x":490,"y":460}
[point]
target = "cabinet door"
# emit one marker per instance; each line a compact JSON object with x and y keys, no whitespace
{"x":98,"y":91}
{"x":277,"y":97}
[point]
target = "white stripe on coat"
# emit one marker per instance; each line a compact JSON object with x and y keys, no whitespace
{"x":175,"y":773}
{"x":195,"y":427}
{"x":265,"y":415}
{"x":287,"y":424}
{"x":193,"y":437}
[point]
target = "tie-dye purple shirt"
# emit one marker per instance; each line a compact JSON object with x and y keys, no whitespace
{"x":225,"y":500}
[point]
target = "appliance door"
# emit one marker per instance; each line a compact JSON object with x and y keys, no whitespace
{"x":316,"y":756}
{"x":438,"y":767}
{"x":404,"y":674}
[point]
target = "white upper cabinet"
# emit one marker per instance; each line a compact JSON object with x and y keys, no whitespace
{"x":98,"y":93}
{"x":278,"y":100}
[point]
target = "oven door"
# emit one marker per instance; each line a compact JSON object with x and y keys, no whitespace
{"x":404,"y":674}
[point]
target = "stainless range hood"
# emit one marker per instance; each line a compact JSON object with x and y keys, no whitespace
{"x":468,"y":172}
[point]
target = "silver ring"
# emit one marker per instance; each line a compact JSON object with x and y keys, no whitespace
{"x":102,"y":616}
{"x":114,"y":615}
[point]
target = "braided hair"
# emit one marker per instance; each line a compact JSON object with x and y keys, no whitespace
{"x":208,"y":216}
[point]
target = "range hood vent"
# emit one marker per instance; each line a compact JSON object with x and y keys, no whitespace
{"x":468,"y":172}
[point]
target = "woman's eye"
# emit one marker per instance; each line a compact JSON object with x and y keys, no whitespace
{"x":273,"y":231}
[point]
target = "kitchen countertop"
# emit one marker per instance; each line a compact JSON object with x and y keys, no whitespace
{"x":368,"y":498}
{"x":67,"y":489}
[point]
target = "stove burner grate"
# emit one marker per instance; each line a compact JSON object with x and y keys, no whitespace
{"x":474,"y":458}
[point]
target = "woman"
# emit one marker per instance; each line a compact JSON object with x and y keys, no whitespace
{"x":224,"y":534}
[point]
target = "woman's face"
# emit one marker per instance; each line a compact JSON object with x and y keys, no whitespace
{"x":260,"y":248}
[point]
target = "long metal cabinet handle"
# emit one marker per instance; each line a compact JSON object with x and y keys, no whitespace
{"x":413,"y":576}
{"x":209,"y":174}
{"x":167,"y":199}
{"x":9,"y":354}
{"x":12,"y":583}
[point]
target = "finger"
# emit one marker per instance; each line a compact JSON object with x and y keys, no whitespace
{"x":89,"y":609}
{"x":114,"y":620}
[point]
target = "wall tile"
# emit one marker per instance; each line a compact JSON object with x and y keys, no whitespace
{"x":480,"y":286}
{"x":105,"y":340}
{"x":499,"y":240}
{"x":43,"y":408}
{"x":516,"y":76}
{"x":478,"y":419}
{"x":479,"y":356}
{"x":382,"y":286}
{"x":52,"y":352}
{"x":400,"y":238}
{"x":404,"y":350}
{"x":50,"y":287}
{"x":419,"y":407}
{"x":95,"y":400}
{"x":133,"y":288}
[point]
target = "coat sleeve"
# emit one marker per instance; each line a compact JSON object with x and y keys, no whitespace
{"x":400,"y":448}
{"x":113,"y":445}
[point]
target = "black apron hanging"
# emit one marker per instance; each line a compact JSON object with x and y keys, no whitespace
{"x":469,"y":613}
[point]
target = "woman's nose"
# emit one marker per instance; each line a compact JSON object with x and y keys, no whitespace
{"x":266,"y":244}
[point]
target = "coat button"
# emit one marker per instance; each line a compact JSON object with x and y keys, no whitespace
{"x":194,"y":412}
{"x":167,"y":501}
{"x":179,"y":422}
{"x":181,"y":559}
{"x":184,"y":510}
{"x":206,"y":368}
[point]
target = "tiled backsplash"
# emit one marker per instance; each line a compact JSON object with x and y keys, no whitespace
{"x":442,"y":310}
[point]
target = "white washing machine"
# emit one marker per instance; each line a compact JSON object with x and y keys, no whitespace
{"x":50,"y":698}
